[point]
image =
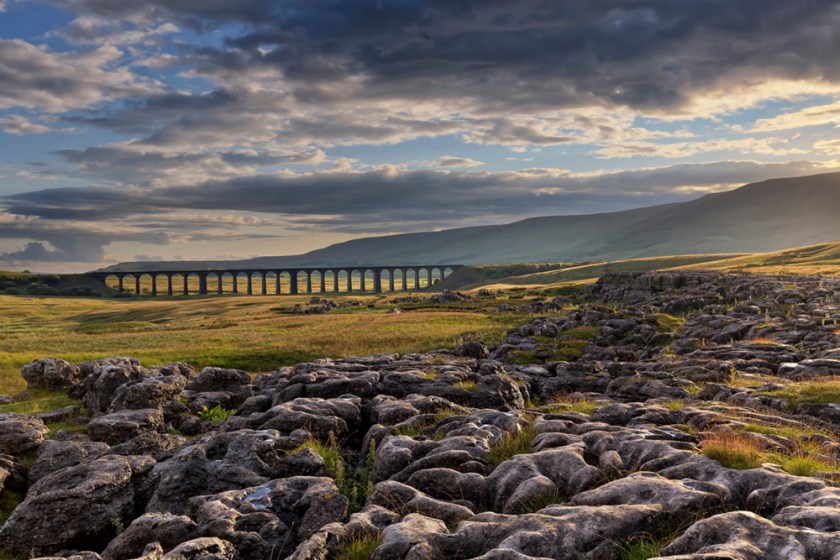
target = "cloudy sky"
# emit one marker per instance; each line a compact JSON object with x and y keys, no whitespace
{"x":166,"y":129}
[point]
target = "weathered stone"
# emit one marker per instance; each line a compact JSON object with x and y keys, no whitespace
{"x":119,"y":427}
{"x":50,"y":373}
{"x":77,"y":507}
{"x":20,"y":434}
{"x":205,"y":548}
{"x":165,"y":529}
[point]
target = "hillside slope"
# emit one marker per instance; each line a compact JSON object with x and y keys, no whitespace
{"x":759,"y":217}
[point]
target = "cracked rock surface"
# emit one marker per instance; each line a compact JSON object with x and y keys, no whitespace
{"x":694,"y":415}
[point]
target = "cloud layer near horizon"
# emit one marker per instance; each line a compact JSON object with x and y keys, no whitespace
{"x":210,"y":126}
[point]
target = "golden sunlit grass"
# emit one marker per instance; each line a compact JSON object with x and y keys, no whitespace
{"x":763,"y":341}
{"x":570,"y":403}
{"x":734,"y":451}
{"x":255,"y":333}
{"x":742,"y":451}
{"x":825,"y":391}
{"x":823,"y":258}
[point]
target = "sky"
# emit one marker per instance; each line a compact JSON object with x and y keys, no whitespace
{"x":176,"y":129}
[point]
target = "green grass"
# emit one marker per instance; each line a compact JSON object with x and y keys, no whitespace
{"x":355,"y":484}
{"x":215,"y":414}
{"x":69,"y":427}
{"x":648,"y":545}
{"x":569,"y":347}
{"x":673,"y":405}
{"x":738,"y":451}
{"x":786,"y":431}
{"x":823,"y":258}
{"x":359,"y":548}
{"x":511,"y":444}
{"x":410,"y":431}
{"x":8,"y":501}
{"x":253,"y":333}
{"x":807,"y":459}
{"x":35,"y":401}
{"x":811,"y":392}
{"x":545,"y":500}
{"x":590,"y":271}
{"x":566,"y":403}
{"x":466,"y":385}
{"x":668,"y":323}
{"x":330,"y":453}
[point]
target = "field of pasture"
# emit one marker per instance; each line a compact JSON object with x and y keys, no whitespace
{"x":253,"y":333}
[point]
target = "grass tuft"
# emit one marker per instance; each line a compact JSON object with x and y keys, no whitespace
{"x":355,"y":484}
{"x":216,"y":414}
{"x":545,"y":500}
{"x":734,"y":451}
{"x":510,"y":445}
{"x":359,"y":548}
{"x":466,"y":385}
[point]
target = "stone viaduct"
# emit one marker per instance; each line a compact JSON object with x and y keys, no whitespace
{"x":289,"y":281}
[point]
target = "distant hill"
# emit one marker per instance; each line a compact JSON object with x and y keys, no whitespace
{"x":759,"y":217}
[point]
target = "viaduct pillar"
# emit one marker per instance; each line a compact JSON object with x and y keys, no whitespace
{"x":377,"y":281}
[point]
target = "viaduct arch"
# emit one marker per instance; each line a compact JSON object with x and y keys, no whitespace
{"x":279,"y":281}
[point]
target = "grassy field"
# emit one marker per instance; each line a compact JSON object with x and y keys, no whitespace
{"x":256,"y":333}
{"x":823,"y":258}
{"x":814,"y":259}
{"x":507,"y":276}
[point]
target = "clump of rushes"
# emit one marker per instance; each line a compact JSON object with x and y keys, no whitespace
{"x":734,"y":451}
{"x":511,"y":444}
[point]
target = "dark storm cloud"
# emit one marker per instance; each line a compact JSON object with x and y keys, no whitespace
{"x":355,"y":201}
{"x":529,"y":55}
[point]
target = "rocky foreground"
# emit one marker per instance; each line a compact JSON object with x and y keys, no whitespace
{"x":671,"y":415}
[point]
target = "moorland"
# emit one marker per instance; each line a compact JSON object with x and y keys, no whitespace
{"x":523,"y":411}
